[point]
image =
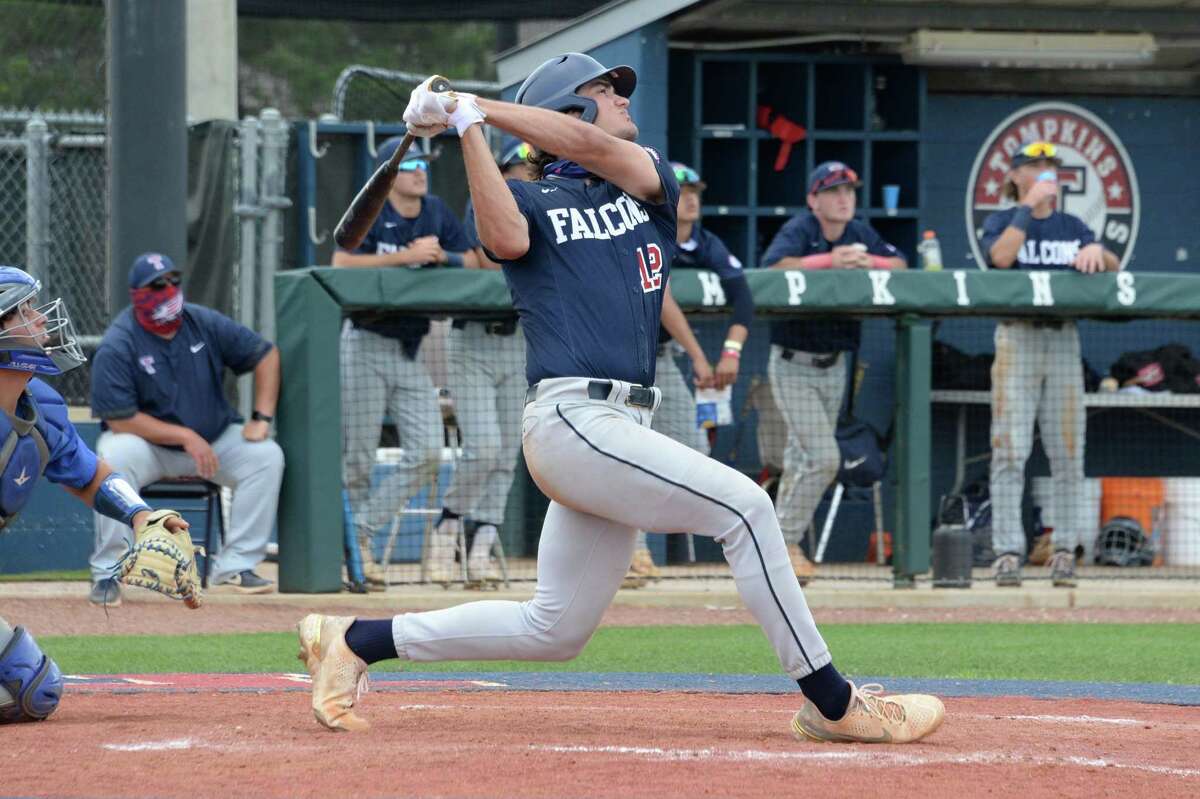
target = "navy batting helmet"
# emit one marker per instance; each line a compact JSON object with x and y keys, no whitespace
{"x":554,"y":83}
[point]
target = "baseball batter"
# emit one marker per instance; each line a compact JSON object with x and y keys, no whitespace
{"x":39,"y":440}
{"x":485,"y":365}
{"x":1037,"y":374}
{"x":586,"y":251}
{"x":380,"y":369}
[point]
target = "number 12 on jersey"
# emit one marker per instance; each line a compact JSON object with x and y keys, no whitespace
{"x":650,"y":264}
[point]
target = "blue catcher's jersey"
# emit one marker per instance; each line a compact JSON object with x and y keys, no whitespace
{"x":40,"y":439}
{"x":1050,"y":243}
{"x":589,"y":290}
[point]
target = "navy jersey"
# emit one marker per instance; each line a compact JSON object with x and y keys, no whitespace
{"x":1050,"y":243}
{"x":589,"y":290}
{"x":391,"y":233}
{"x":703,"y":250}
{"x":41,"y":414}
{"x":179,"y":380}
{"x":802,"y":236}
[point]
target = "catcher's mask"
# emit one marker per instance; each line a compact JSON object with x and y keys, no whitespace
{"x":34,"y":339}
{"x":1122,"y":543}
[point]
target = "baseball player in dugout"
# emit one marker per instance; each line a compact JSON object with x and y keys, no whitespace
{"x":40,"y":441}
{"x":807,"y":366}
{"x":586,"y":250}
{"x":1037,"y":374}
{"x":485,"y":366}
{"x":697,"y":248}
{"x":158,"y":389}
{"x":381,"y":373}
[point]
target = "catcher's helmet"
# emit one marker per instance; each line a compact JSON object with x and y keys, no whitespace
{"x":554,"y":83}
{"x":1122,"y":543}
{"x":34,"y":339}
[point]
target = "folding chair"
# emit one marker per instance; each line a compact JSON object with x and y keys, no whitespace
{"x":195,"y":488}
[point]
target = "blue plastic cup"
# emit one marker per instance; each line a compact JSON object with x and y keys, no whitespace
{"x":891,"y":199}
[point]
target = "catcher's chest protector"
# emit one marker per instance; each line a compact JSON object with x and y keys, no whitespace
{"x":23,"y":458}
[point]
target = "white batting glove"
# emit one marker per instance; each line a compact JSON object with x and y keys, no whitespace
{"x":464,"y":110}
{"x":427,"y":113}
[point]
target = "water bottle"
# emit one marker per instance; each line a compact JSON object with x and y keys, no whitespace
{"x":931,"y":253}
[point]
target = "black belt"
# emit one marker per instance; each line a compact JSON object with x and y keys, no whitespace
{"x":639,"y":396}
{"x":821,"y":362}
{"x":502,"y":328}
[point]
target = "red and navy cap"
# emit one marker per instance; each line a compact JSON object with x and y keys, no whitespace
{"x":830,"y":174}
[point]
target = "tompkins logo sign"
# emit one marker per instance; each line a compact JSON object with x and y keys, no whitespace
{"x":1096,"y":180}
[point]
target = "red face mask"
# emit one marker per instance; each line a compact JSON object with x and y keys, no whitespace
{"x":159,"y":311}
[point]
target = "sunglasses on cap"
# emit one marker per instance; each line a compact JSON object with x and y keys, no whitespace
{"x":160,"y":283}
{"x":413,"y":165}
{"x":1039,"y":149}
{"x":835,"y":178}
{"x":685,"y":175}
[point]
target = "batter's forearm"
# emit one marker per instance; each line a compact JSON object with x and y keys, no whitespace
{"x":501,"y":226}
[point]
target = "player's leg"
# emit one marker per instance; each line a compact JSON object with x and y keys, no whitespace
{"x":1016,"y":386}
{"x":364,"y":366}
{"x":489,"y":512}
{"x":1062,"y":419}
{"x":142,"y":463}
{"x":809,"y":398}
{"x":32,"y":684}
{"x":652,"y":482}
{"x":254,"y":470}
{"x":581,"y":560}
{"x":413,"y":404}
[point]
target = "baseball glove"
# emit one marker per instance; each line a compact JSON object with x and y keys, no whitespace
{"x":162,"y":561}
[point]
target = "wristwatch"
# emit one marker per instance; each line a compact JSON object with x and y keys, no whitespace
{"x":259,"y":416}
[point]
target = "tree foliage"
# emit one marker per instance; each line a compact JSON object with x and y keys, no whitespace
{"x":53,"y":52}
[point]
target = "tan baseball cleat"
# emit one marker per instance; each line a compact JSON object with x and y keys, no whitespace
{"x":339,"y":677}
{"x":872,"y":718}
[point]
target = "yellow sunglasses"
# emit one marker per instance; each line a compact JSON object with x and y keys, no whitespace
{"x":1039,"y":149}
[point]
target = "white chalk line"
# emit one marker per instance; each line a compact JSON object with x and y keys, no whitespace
{"x":874,"y":758}
{"x":152,"y":746}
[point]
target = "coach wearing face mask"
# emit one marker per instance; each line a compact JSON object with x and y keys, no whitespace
{"x":157,"y":386}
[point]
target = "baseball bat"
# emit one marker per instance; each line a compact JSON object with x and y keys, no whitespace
{"x":367,"y":204}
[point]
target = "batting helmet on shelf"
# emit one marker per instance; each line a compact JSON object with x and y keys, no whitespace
{"x":554,"y":83}
{"x":1122,"y":543}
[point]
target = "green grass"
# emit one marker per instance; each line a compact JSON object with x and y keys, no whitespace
{"x":67,"y":575}
{"x":1167,"y":653}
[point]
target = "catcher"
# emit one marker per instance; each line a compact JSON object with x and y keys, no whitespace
{"x":39,"y":439}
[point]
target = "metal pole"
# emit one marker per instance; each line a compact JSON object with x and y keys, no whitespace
{"x":249,"y":212}
{"x":147,"y":142}
{"x":272,"y":188}
{"x":911,"y":467}
{"x":37,"y":199}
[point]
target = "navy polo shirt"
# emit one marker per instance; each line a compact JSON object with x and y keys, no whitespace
{"x":1050,"y":243}
{"x":391,"y":233}
{"x":589,"y":290}
{"x":703,"y":250}
{"x":180,"y":380}
{"x":802,"y":236}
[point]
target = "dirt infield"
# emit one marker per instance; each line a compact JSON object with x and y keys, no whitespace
{"x":472,"y":743}
{"x":145,"y":614}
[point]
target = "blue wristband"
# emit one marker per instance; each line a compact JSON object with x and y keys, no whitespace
{"x":1022,"y":218}
{"x":118,"y":500}
{"x":454,"y":259}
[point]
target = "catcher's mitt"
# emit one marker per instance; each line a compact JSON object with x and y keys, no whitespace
{"x":162,"y":561}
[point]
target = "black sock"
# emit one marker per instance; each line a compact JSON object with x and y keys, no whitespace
{"x":371,"y":640}
{"x":448,"y":514}
{"x":827,"y":689}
